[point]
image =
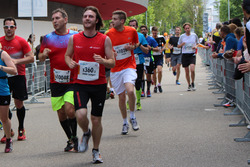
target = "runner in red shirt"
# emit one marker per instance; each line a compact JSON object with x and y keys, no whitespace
{"x":123,"y":75}
{"x":21,"y":54}
{"x":54,"y":46}
{"x":88,"y":53}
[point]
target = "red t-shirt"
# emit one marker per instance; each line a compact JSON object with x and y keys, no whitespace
{"x":89,"y":72}
{"x":59,"y":70}
{"x":124,"y":59}
{"x":16,"y":48}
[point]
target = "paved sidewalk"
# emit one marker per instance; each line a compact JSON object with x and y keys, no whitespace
{"x":178,"y":129}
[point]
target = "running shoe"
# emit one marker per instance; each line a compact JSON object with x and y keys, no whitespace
{"x":148,"y":93}
{"x":9,"y":146}
{"x":134,"y":124}
{"x":189,"y":88}
{"x":228,"y":104}
{"x":142,"y":94}
{"x":70,"y":146}
{"x":1,"y":125}
{"x":3,"y":140}
{"x":138,"y":106}
{"x":174,"y":73}
{"x":125,"y":128}
{"x":83,"y":144}
{"x":155,"y":89}
{"x":193,"y":87}
{"x":96,"y":157}
{"x":160,"y":89}
{"x":177,"y":82}
{"x":75,"y":143}
{"x":112,"y":95}
{"x":21,"y":135}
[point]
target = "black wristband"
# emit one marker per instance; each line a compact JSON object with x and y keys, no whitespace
{"x":139,"y":44}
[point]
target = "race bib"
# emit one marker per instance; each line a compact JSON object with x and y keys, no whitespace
{"x":137,"y":60}
{"x":61,"y":76}
{"x":147,"y":61}
{"x":188,"y":48}
{"x":158,"y":53}
{"x":88,"y":71}
{"x":176,"y":50}
{"x":122,"y":53}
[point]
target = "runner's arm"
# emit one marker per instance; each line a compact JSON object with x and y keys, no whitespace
{"x":69,"y":54}
{"x":11,"y":68}
{"x":44,"y":55}
{"x":109,"y":61}
{"x":28,"y":58}
{"x":143,"y":48}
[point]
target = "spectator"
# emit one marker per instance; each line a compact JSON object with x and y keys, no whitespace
{"x":229,"y":39}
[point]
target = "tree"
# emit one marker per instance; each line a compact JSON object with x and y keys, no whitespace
{"x":235,"y":9}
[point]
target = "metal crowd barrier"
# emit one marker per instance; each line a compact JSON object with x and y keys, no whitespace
{"x":38,"y":80}
{"x":235,"y":91}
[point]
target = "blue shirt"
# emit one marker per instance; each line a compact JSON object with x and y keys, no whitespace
{"x":4,"y":86}
{"x":240,"y":44}
{"x":151,"y":42}
{"x":138,"y":50}
{"x":231,"y":43}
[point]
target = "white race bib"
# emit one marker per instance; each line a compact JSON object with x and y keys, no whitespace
{"x":62,"y":76}
{"x":89,"y":71}
{"x":157,"y":53}
{"x":137,"y":60}
{"x":188,"y":48}
{"x":147,"y":61}
{"x":122,"y":53}
{"x":176,"y":50}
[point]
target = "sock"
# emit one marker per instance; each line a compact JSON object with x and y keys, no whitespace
{"x":87,"y":133}
{"x":20,"y":115}
{"x":66,"y":127}
{"x":10,"y":114}
{"x":125,"y":121}
{"x":148,"y":84}
{"x":73,"y":126}
{"x":132,"y":115}
{"x":159,"y":84}
{"x":138,"y":96}
{"x":95,"y":149}
{"x":143,"y":85}
{"x":111,"y":89}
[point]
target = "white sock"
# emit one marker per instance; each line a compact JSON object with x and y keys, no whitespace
{"x":111,"y":89}
{"x":132,"y":115}
{"x":159,"y":84}
{"x":125,"y":121}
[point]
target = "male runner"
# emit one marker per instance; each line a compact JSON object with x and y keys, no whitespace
{"x":124,"y":40}
{"x":149,"y":63}
{"x":175,"y":54}
{"x":54,"y":46}
{"x":139,"y":59}
{"x":158,"y":59}
{"x":88,"y":53}
{"x":188,"y":42}
{"x":21,"y":54}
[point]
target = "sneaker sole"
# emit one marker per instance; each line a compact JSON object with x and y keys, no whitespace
{"x":97,"y":162}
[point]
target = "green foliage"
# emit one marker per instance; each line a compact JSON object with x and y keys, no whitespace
{"x":167,"y":14}
{"x":235,"y":9}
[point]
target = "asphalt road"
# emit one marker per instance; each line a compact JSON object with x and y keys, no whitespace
{"x":177,"y":129}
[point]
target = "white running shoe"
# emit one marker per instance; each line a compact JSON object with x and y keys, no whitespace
{"x":83,"y":143}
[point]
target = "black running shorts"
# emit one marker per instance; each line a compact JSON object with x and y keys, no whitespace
{"x":97,"y":95}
